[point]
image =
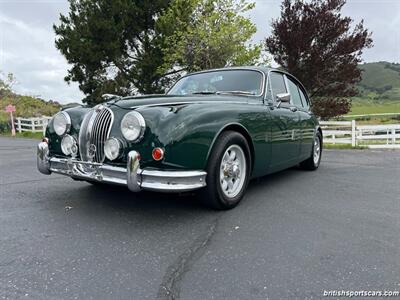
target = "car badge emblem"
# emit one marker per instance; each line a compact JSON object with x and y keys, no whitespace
{"x":99,"y":108}
{"x":92,"y":150}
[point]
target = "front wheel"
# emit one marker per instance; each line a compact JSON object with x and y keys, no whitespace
{"x":228,"y":171}
{"x":312,"y":163}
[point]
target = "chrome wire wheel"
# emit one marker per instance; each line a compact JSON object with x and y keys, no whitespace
{"x":317,"y":150}
{"x":233,"y":171}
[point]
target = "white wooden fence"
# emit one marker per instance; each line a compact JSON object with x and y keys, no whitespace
{"x":371,"y":136}
{"x":32,"y":124}
{"x":334,"y":132}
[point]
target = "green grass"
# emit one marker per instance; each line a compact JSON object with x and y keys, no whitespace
{"x":28,"y":135}
{"x":380,"y":80}
{"x":343,"y":146}
{"x":362,"y":106}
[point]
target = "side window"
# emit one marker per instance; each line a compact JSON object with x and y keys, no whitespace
{"x":303,"y":98}
{"x":294,"y":93}
{"x":277,"y":84}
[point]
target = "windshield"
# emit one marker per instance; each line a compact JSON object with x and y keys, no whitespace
{"x":245,"y":82}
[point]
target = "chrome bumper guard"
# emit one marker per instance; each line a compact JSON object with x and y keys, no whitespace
{"x":132,"y":176}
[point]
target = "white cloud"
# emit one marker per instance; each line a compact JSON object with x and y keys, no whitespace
{"x":27,"y":50}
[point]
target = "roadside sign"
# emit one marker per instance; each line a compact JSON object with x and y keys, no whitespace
{"x":10,"y":109}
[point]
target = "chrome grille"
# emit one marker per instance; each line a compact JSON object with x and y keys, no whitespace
{"x":95,"y":129}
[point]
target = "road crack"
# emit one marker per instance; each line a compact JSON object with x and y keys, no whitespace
{"x":170,"y":286}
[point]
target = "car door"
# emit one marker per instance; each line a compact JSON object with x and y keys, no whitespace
{"x":285,"y":123}
{"x":301,"y":128}
{"x":307,"y":125}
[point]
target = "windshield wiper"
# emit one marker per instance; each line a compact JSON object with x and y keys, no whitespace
{"x":223,"y":92}
{"x":237,"y":92}
{"x":204,"y":93}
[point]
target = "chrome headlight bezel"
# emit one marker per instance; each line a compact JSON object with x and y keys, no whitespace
{"x":107,"y":153}
{"x":65,"y":126}
{"x":133,"y":134}
{"x":72,"y":148}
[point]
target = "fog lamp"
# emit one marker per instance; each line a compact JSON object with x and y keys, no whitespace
{"x":68,"y":145}
{"x":112,"y":148}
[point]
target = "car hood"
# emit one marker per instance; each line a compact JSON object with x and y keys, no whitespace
{"x":168,"y":100}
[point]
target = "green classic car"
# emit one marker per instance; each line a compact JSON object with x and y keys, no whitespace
{"x":212,"y":131}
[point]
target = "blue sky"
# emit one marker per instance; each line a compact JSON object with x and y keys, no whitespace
{"x":27,"y":40}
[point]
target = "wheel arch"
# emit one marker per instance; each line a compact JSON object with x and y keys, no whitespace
{"x":237,"y":128}
{"x":322,"y":137}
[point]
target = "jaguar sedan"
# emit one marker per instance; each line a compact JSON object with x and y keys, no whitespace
{"x":211,"y":132}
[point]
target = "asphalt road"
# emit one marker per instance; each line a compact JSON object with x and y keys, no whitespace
{"x":295,"y":234}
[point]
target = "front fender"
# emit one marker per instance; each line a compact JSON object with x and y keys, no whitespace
{"x":188,"y":132}
{"x":76,"y":114}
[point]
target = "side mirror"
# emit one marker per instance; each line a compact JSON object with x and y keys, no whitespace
{"x":284,"y":97}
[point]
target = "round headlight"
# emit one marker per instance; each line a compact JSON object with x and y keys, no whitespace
{"x":112,"y":148}
{"x":61,"y":123}
{"x":68,"y":145}
{"x":133,"y":126}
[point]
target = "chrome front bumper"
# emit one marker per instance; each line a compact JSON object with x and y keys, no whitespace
{"x":132,"y":176}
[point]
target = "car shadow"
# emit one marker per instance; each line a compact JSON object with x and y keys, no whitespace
{"x":120,"y":198}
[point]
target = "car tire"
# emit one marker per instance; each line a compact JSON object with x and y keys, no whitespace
{"x":228,"y":171}
{"x":312,"y":163}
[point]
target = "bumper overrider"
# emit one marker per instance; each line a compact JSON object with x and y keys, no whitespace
{"x":132,"y":176}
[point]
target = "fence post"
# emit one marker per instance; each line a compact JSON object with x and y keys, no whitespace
{"x":353,"y":133}
{"x":393,"y":136}
{"x":19,"y":125}
{"x":45,"y":121}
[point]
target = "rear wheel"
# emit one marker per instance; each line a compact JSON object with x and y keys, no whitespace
{"x":228,"y":171}
{"x":312,"y":163}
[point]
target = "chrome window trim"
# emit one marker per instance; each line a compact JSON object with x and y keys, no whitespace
{"x":284,"y":73}
{"x":296,"y":82}
{"x":284,"y":79}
